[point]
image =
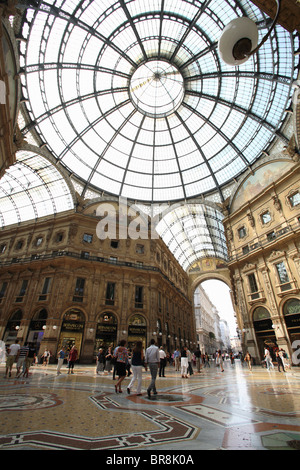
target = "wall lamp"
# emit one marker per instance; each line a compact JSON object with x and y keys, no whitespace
{"x":239,"y":39}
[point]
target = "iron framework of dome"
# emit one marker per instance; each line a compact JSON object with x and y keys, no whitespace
{"x":132,"y":97}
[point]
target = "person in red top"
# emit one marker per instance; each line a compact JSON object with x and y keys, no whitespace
{"x":73,"y":355}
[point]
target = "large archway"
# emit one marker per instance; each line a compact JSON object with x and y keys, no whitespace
{"x":214,"y":315}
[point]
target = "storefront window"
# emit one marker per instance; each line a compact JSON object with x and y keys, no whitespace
{"x":137,"y":330}
{"x":106,"y":333}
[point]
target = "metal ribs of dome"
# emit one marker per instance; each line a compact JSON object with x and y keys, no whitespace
{"x":80,"y":58}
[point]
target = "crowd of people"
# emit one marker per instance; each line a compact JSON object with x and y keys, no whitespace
{"x":122,"y":361}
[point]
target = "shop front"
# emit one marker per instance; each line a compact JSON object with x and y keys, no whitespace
{"x":137,"y":331}
{"x":36,"y":329}
{"x":291,"y":312}
{"x":12,"y":327}
{"x":264,"y":331}
{"x":72,"y":330}
{"x":106,"y":332}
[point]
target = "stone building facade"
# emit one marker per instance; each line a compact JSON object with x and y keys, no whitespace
{"x":263,"y":233}
{"x":60,"y":284}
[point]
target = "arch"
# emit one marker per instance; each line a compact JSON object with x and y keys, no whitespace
{"x":108,"y":317}
{"x":77,"y":312}
{"x":209,"y":276}
{"x":260,"y":313}
{"x":17,"y":315}
{"x":40,"y":314}
{"x":12,"y":326}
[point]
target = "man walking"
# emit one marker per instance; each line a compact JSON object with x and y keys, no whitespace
{"x":268,"y":359}
{"x":12,"y":356}
{"x":152,"y":359}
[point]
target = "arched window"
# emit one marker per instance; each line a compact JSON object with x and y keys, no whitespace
{"x":260,"y":313}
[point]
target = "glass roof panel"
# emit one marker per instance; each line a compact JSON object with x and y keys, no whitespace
{"x":193,"y":231}
{"x":32,"y":188}
{"x":134,"y":92}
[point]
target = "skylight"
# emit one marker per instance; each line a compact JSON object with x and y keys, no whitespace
{"x":131,"y":97}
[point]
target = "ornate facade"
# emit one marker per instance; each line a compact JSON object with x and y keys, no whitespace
{"x":60,"y":284}
{"x":263,"y":232}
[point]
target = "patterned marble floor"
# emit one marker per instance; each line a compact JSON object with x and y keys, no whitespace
{"x":234,"y":410}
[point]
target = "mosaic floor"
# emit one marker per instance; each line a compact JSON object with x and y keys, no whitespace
{"x":234,"y":410}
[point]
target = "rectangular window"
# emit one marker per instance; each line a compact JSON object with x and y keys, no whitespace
{"x":159,"y":301}
{"x":245,"y":249}
{"x":114,"y":244}
{"x":110,"y":293}
{"x":22,"y":291}
{"x":283,"y":276}
{"x":271,"y":236}
{"x":294,"y":199}
{"x":3,"y":290}
{"x":253,"y":286}
{"x":242,"y":232}
{"x":265,"y":217}
{"x":46,"y":288}
{"x":138,"y":297}
{"x":79,"y":290}
{"x":87,"y":238}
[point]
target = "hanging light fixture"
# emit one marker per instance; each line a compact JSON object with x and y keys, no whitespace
{"x":239,"y":39}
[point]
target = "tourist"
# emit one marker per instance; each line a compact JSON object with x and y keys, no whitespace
{"x":72,"y":358}
{"x":184,"y":363}
{"x":60,"y":360}
{"x":248,"y":360}
{"x":137,"y":363}
{"x":12,"y":355}
{"x":23,"y":353}
{"x":100,"y":361}
{"x":153,"y":360}
{"x":176,"y":358}
{"x":121,"y":356}
{"x":109,"y":360}
{"x":162,"y":362}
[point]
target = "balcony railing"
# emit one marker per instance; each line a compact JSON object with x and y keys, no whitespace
{"x":266,"y":239}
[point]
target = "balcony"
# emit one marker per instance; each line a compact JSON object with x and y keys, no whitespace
{"x":287,"y":288}
{"x":258,"y":296}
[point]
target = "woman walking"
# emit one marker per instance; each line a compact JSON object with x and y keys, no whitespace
{"x":121,"y":356}
{"x":219,"y":360}
{"x":137,"y":363}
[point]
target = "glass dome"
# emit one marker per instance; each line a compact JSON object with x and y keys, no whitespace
{"x":132,"y":98}
{"x":32,"y":188}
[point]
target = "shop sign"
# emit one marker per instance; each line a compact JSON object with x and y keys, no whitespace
{"x":137,"y":330}
{"x":72,"y":326}
{"x":292,"y":321}
{"x":107,"y":329}
{"x":263,"y":325}
{"x":37,"y":325}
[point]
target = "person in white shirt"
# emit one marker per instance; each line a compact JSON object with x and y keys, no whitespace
{"x":12,"y":355}
{"x":268,"y":359}
{"x":152,"y":359}
{"x":163,"y":361}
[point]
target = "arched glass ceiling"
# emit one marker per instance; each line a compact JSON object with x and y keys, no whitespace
{"x":193,"y":231}
{"x":32,"y":188}
{"x":133,"y":99}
